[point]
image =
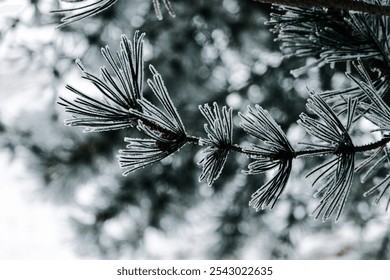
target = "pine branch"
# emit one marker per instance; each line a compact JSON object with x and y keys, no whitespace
{"x":92,"y":9}
{"x":83,"y":12}
{"x":332,"y":36}
{"x":124,"y":105}
{"x":348,"y":5}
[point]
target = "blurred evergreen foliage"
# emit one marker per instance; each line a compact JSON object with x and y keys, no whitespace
{"x":212,"y":51}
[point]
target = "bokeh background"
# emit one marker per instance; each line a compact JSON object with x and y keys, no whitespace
{"x":62,"y":195}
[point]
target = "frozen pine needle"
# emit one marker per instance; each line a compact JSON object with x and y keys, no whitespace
{"x":260,"y":124}
{"x":164,"y":129}
{"x":220,"y":139}
{"x":118,"y":92}
{"x":275,"y":153}
{"x":140,"y":153}
{"x":92,"y":8}
{"x":151,"y":115}
{"x":157,"y":8}
{"x":335,"y":176}
{"x":382,"y":187}
{"x":83,"y":11}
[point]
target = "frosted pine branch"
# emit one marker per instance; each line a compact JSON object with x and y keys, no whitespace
{"x":91,"y":9}
{"x":348,"y":5}
{"x":122,"y":104}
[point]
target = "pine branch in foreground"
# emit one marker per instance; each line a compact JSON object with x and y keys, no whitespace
{"x":124,"y":105}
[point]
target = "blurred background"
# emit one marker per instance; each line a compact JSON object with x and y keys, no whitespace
{"x":62,"y":195}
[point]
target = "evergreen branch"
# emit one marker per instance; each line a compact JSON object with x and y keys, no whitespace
{"x":348,"y":5}
{"x":92,"y":9}
{"x":123,"y":105}
{"x":83,"y":12}
{"x":326,"y":150}
{"x":380,"y":144}
{"x":261,"y":125}
{"x":376,"y":111}
{"x":332,"y":36}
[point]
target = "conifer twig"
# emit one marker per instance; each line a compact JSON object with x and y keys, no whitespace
{"x":334,"y":4}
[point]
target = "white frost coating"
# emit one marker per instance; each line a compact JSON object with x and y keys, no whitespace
{"x":220,"y":135}
{"x":165,"y":130}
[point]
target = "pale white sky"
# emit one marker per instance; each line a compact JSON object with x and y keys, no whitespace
{"x":29,"y":227}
